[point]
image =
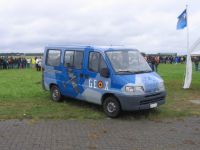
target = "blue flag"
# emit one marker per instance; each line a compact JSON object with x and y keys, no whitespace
{"x":182,"y":20}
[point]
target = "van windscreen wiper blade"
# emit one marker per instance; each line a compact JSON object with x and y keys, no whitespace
{"x":125,"y":71}
{"x":143,"y":71}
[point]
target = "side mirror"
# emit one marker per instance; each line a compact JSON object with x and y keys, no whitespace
{"x":104,"y":72}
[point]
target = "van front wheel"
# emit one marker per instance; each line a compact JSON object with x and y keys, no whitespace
{"x":111,"y":107}
{"x":55,"y":94}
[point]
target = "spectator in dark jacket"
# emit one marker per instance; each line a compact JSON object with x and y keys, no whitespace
{"x":196,"y":63}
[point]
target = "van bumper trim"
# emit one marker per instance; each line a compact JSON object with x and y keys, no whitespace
{"x":131,"y":103}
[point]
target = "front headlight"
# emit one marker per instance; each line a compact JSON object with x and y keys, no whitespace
{"x":134,"y":89}
{"x":161,"y":86}
{"x":129,"y":88}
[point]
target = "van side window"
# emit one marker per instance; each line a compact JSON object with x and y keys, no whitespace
{"x":78,"y":59}
{"x":53,"y":57}
{"x":94,"y":61}
{"x":73,"y":59}
{"x":69,"y":58}
{"x":102,"y":64}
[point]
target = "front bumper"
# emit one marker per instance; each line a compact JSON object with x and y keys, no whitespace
{"x":130,"y":103}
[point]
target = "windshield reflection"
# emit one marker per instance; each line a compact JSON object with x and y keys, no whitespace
{"x":128,"y":62}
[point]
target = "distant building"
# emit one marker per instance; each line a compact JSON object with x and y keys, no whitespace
{"x":22,"y":54}
{"x":11,"y":54}
{"x":34,"y":54}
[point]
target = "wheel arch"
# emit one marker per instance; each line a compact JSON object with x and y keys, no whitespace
{"x":52,"y":84}
{"x":105,"y":95}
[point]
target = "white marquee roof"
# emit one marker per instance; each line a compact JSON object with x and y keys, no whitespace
{"x":196,"y":53}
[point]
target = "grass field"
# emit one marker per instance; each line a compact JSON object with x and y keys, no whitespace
{"x":21,"y":96}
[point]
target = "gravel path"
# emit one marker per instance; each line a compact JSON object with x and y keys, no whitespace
{"x":182,"y":134}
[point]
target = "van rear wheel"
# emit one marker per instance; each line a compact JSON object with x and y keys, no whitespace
{"x":111,"y":107}
{"x":55,"y":94}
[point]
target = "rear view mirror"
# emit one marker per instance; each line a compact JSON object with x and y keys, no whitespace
{"x":104,"y":72}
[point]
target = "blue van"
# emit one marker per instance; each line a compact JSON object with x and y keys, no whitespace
{"x":117,"y":78}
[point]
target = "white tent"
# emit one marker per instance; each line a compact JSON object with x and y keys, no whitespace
{"x":193,"y":51}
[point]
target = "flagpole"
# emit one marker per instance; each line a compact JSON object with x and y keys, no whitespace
{"x":187,"y":29}
{"x":188,"y":73}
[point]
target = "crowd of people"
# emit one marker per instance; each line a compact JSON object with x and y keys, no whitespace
{"x":14,"y":63}
{"x":20,"y":63}
{"x":154,"y":61}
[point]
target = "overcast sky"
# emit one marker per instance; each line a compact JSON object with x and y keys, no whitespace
{"x":150,"y":26}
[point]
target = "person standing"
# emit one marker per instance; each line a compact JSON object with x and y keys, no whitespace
{"x":149,"y":61}
{"x":153,"y":63}
{"x":176,"y":60}
{"x":28,"y":60}
{"x":32,"y":62}
{"x":19,"y":63}
{"x":5,"y":63}
{"x":196,"y":63}
{"x":1,"y":63}
{"x":157,"y":62}
{"x":38,"y":64}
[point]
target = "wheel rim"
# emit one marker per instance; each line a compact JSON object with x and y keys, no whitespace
{"x":111,"y":107}
{"x":55,"y":94}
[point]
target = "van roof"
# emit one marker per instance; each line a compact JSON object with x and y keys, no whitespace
{"x":102,"y":48}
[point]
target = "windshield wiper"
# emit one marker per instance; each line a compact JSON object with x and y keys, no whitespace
{"x":142,"y":71}
{"x":125,"y":71}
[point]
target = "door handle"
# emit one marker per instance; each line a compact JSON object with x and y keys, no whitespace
{"x":81,"y":75}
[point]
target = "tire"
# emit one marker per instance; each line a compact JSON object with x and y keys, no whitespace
{"x":55,"y":94}
{"x":111,"y":107}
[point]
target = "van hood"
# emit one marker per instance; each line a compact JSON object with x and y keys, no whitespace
{"x":150,"y":82}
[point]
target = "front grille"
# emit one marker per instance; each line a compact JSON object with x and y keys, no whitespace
{"x":152,"y":99}
{"x":152,"y":95}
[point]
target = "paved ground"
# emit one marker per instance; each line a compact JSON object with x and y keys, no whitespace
{"x":102,"y":134}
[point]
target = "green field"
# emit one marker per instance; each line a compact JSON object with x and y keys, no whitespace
{"x":21,"y":96}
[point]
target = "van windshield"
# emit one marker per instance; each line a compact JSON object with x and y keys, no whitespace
{"x":128,"y":62}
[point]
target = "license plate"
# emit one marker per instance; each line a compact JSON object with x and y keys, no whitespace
{"x":153,"y":105}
